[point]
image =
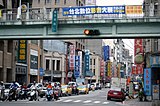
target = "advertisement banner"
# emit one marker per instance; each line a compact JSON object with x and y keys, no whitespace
{"x":88,"y":10}
{"x":106,"y":52}
{"x":87,"y":63}
{"x":22,"y":51}
{"x":138,"y":46}
{"x":102,"y":68}
{"x":109,"y":69}
{"x":72,"y":57}
{"x":134,"y":9}
{"x":77,"y":66}
{"x":33,"y":62}
{"x":80,"y":67}
{"x":147,"y":81}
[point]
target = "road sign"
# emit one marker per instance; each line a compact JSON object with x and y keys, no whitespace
{"x":41,"y":71}
{"x":55,"y":20}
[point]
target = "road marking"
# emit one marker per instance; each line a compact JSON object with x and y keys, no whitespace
{"x":87,"y":101}
{"x":105,"y":103}
{"x":67,"y":100}
{"x":77,"y":101}
{"x":96,"y":101}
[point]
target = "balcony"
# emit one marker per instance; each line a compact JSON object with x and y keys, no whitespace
{"x":54,"y":73}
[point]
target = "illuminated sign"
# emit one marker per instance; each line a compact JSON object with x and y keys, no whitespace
{"x":134,"y":9}
{"x":88,"y":10}
{"x":22,"y":51}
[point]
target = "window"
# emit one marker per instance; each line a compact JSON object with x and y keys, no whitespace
{"x":57,"y":2}
{"x":53,"y":64}
{"x":76,"y":2}
{"x":65,"y":2}
{"x":34,"y":42}
{"x":94,"y":62}
{"x":58,"y":65}
{"x":38,"y":1}
{"x":155,"y":45}
{"x":47,"y":64}
{"x":48,"y":1}
{"x":94,"y":71}
{"x":90,"y":61}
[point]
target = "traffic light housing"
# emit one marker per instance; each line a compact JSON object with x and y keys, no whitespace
{"x":91,"y":32}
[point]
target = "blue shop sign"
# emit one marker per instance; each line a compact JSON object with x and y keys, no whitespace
{"x":147,"y":81}
{"x":155,"y":61}
{"x":88,"y":10}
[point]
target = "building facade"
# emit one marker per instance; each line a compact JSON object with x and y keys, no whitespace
{"x":151,"y":7}
{"x":7,"y":60}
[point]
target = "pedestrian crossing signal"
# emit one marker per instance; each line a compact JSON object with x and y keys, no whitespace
{"x":91,"y":32}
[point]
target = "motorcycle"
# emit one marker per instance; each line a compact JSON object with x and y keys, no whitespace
{"x":56,"y":96}
{"x":33,"y":94}
{"x":2,"y":95}
{"x":49,"y":94}
{"x":12,"y":94}
{"x":22,"y":94}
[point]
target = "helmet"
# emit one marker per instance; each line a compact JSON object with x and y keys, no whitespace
{"x":49,"y":83}
{"x":1,"y":82}
{"x":34,"y":82}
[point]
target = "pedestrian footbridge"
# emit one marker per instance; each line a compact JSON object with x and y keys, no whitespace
{"x":39,"y":25}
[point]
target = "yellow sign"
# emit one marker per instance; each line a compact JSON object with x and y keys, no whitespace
{"x":109,"y":69}
{"x":0,"y":13}
{"x":134,"y":9}
{"x":22,"y":51}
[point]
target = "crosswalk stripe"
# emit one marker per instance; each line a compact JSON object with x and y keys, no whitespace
{"x":105,"y":102}
{"x":96,"y":102}
{"x":67,"y":100}
{"x":77,"y":101}
{"x":87,"y":101}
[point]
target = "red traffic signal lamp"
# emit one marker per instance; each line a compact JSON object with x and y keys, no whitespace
{"x":91,"y":32}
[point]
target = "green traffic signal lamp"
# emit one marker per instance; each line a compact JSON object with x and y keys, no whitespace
{"x":91,"y":32}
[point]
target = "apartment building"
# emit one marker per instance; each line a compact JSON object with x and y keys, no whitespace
{"x":7,"y":60}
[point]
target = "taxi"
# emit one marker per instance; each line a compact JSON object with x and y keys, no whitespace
{"x":66,"y":90}
{"x":83,"y":89}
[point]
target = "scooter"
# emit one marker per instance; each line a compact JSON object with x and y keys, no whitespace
{"x":33,"y":94}
{"x":12,"y":95}
{"x":49,"y":94}
{"x":56,"y":97}
{"x":22,"y":94}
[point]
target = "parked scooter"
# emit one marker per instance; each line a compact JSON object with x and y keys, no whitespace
{"x":23,"y":94}
{"x":49,"y":94}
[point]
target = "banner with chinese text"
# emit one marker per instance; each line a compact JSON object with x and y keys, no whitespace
{"x":147,"y":81}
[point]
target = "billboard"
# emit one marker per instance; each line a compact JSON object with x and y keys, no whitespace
{"x":33,"y":62}
{"x":72,"y":57}
{"x":134,"y":9}
{"x":147,"y":81}
{"x":22,"y":51}
{"x":106,"y":52}
{"x":89,"y":10}
{"x":77,"y":67}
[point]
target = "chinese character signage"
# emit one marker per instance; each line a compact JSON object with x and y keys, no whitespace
{"x":87,"y":10}
{"x":80,"y":67}
{"x":87,"y":63}
{"x":109,"y":69}
{"x":134,"y":9}
{"x":77,"y":67}
{"x":139,"y":69}
{"x":138,"y":46}
{"x":106,"y":53}
{"x":102,"y":68}
{"x":133,"y":69}
{"x":22,"y":51}
{"x":155,"y":61}
{"x":147,"y":81}
{"x":54,"y":20}
{"x":72,"y":57}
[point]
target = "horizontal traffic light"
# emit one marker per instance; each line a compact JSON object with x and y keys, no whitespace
{"x":91,"y":32}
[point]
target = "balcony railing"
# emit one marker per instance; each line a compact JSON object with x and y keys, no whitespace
{"x":45,"y":14}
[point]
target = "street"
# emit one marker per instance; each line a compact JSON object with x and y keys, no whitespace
{"x":97,"y":97}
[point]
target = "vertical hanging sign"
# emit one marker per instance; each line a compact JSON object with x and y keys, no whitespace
{"x":87,"y":63}
{"x":22,"y":51}
{"x":55,"y":20}
{"x":72,"y":57}
{"x":147,"y":81}
{"x":77,"y":67}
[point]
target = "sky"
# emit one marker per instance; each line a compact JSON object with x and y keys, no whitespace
{"x":118,"y":2}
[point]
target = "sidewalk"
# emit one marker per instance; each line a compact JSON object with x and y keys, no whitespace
{"x":135,"y":102}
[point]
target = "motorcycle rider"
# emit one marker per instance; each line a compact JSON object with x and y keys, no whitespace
{"x":24,"y":89}
{"x":56,"y":88}
{"x":2,"y":88}
{"x":13,"y":88}
{"x":50,"y":89}
{"x":34,"y":87}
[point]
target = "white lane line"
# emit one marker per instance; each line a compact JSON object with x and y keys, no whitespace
{"x":87,"y":101}
{"x":105,"y":103}
{"x":67,"y":100}
{"x":77,"y":101}
{"x":96,"y":101}
{"x":59,"y":100}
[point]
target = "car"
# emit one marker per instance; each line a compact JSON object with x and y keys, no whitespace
{"x":83,"y":89}
{"x":66,"y":90}
{"x":116,"y":93}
